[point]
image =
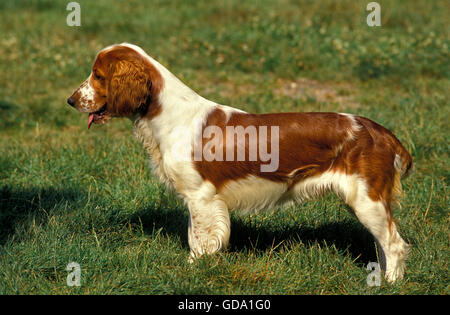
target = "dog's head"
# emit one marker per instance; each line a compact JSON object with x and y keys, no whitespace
{"x":123,"y":83}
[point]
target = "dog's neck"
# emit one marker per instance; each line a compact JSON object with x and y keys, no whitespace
{"x":180,"y":105}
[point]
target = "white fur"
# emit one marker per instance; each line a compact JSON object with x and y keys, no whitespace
{"x":87,"y":94}
{"x":241,"y":195}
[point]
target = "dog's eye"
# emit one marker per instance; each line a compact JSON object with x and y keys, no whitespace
{"x":97,"y":77}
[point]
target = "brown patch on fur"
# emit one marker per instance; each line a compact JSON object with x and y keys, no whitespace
{"x":306,"y":145}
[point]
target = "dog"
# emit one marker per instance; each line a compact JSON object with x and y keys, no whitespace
{"x":220,"y":159}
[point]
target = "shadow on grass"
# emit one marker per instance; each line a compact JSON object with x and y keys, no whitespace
{"x":347,"y":236}
{"x":172,"y":222}
{"x":18,"y":205}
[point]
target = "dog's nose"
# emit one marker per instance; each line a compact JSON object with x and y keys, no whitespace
{"x":71,"y":101}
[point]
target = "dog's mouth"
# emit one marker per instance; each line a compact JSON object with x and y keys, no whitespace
{"x":99,"y":117}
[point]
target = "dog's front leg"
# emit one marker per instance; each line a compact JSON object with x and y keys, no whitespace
{"x":209,"y":227}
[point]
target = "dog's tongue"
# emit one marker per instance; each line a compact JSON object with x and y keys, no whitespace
{"x":91,"y":120}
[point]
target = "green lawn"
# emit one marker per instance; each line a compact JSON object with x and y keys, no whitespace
{"x":72,"y":195}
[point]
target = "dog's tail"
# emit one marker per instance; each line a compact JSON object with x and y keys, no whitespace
{"x":403,"y":164}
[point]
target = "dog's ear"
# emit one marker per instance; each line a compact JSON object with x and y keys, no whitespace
{"x":128,"y":88}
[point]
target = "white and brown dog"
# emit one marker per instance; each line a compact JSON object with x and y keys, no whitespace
{"x":310,"y":153}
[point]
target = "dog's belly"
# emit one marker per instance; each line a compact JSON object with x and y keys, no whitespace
{"x":254,"y":194}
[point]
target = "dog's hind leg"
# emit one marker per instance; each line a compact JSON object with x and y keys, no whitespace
{"x":376,"y":217}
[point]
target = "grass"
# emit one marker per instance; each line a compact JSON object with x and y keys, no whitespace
{"x":67,"y":194}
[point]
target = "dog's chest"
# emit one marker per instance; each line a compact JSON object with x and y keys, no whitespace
{"x":144,"y":134}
